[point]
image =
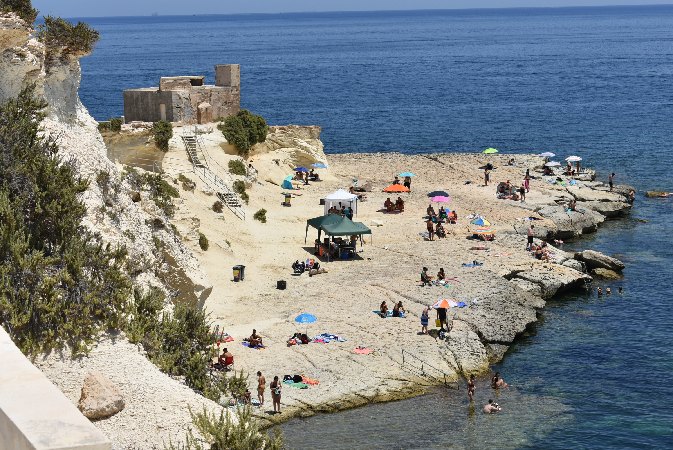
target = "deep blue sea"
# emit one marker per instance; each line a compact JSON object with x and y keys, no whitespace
{"x":598,"y":82}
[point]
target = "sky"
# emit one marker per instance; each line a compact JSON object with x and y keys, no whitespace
{"x":96,"y":8}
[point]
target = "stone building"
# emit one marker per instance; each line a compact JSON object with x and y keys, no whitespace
{"x":187,"y":99}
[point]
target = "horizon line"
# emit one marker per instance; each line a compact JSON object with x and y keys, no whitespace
{"x":483,"y":8}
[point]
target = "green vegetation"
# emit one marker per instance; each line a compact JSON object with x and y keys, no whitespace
{"x":237,"y":167}
{"x":244,"y":130}
{"x":187,"y":183}
{"x":163,"y":132}
{"x":218,"y":206}
{"x":116,"y":124}
{"x":62,"y":38}
{"x":23,"y":8}
{"x":260,"y":215}
{"x":239,"y":188}
{"x":59,"y":285}
{"x":161,"y":192}
{"x":203,"y":242}
{"x":224,"y":432}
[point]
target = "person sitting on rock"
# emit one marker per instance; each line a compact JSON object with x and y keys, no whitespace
{"x":453,"y":217}
{"x":255,"y":340}
{"x":388,"y":205}
{"x":226,"y":360}
{"x":383,"y":309}
{"x":425,"y":278}
{"x":439,"y":231}
{"x":399,"y":204}
{"x":440,"y":275}
{"x":398,"y":310}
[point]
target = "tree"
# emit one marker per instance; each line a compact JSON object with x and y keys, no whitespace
{"x":163,"y":132}
{"x":244,"y":130}
{"x":62,"y":38}
{"x":59,"y":284}
{"x":23,"y":8}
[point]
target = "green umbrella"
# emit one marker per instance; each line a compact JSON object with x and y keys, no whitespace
{"x":490,"y":151}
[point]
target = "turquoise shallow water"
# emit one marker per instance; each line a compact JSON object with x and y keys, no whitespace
{"x":594,"y":372}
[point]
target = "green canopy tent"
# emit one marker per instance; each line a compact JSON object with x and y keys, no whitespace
{"x":335,"y":225}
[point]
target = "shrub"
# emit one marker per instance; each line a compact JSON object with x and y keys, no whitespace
{"x":237,"y":167}
{"x":187,"y":183}
{"x":116,"y":124}
{"x":224,"y":432}
{"x":59,"y":284}
{"x":23,"y":8}
{"x":243,"y":130}
{"x":218,"y":206}
{"x":245,"y":197}
{"x":161,"y":191}
{"x":163,"y":132}
{"x":63,"y":38}
{"x":103,"y":126}
{"x":260,"y":215}
{"x":239,"y":186}
{"x":203,"y":242}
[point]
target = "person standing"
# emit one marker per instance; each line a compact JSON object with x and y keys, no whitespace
{"x":526,"y":181}
{"x":407,"y":182}
{"x":522,"y":192}
{"x":471,"y":387}
{"x":487,"y":176}
{"x":425,"y":318}
{"x":531,"y":234}
{"x":611,"y":179}
{"x":275,"y":387}
{"x":261,"y":387}
{"x":431,"y":228}
{"x":441,"y":316}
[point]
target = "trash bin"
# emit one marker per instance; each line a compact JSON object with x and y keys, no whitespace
{"x":239,"y":273}
{"x":288,"y":200}
{"x":281,"y":284}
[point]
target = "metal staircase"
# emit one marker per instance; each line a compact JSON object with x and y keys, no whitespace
{"x":224,"y":191}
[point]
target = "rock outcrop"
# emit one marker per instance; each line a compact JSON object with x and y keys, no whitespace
{"x":597,"y":260}
{"x":100,"y":397}
{"x":304,"y":139}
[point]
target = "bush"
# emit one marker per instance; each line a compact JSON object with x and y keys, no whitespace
{"x":260,"y":215}
{"x":161,"y":192}
{"x":63,"y":38}
{"x":218,"y":206}
{"x":223,"y":432}
{"x":239,"y":186}
{"x":116,"y":124}
{"x":203,"y":242}
{"x":244,"y":130}
{"x":23,"y":8}
{"x":163,"y":132}
{"x":237,"y":167}
{"x":187,"y":183}
{"x":59,"y":284}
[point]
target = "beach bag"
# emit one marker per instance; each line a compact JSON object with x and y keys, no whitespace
{"x":297,"y":379}
{"x":438,"y":323}
{"x":287,"y":378}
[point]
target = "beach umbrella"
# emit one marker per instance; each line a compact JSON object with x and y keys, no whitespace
{"x":547,"y":155}
{"x":490,"y":151}
{"x":436,"y":193}
{"x":319,"y":165}
{"x":305,"y":318}
{"x":396,"y":188}
{"x":573,"y":159}
{"x":406,"y":174}
{"x":301,"y":169}
{"x":443,"y":303}
{"x":441,"y":199}
{"x":481,"y":222}
{"x":553,"y":164}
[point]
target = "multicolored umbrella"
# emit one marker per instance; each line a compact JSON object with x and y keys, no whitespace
{"x":490,"y":151}
{"x":441,"y":199}
{"x":396,"y":188}
{"x":481,"y":222}
{"x":443,"y":303}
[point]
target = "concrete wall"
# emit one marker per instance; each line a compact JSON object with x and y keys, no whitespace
{"x":34,"y":414}
{"x":228,"y":75}
{"x":143,"y":105}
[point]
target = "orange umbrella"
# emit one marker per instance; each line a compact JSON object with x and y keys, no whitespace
{"x":443,"y":303}
{"x":396,"y":188}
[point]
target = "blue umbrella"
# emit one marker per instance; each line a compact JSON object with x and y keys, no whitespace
{"x":301,"y":169}
{"x":319,"y":165}
{"x":305,"y":318}
{"x":406,"y":174}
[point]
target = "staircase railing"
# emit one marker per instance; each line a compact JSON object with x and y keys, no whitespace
{"x":426,"y":370}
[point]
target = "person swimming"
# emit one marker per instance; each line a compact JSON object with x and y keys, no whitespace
{"x":491,"y":407}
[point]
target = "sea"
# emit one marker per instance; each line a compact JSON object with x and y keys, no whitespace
{"x":594,"y":372}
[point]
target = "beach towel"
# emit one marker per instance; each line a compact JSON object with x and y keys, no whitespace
{"x":362,"y":350}
{"x":309,"y":381}
{"x":295,"y":385}
{"x":326,"y":338}
{"x":473,"y":264}
{"x":390,"y":314}
{"x":247,"y":344}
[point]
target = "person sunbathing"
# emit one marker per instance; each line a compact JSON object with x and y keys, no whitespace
{"x":453,"y":217}
{"x":442,"y":213}
{"x":225,"y":360}
{"x":399,"y":204}
{"x":425,"y":278}
{"x":383,"y":309}
{"x":398,"y":309}
{"x":439,"y":231}
{"x":388,"y":205}
{"x":440,"y":274}
{"x":255,"y":339}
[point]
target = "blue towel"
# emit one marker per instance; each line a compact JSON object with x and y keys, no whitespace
{"x":390,"y":314}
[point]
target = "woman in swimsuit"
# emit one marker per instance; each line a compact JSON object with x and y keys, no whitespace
{"x":397,"y":309}
{"x":440,"y":274}
{"x":424,"y":320}
{"x":471,"y":388}
{"x":275,"y":387}
{"x":383,"y":309}
{"x":261,"y":387}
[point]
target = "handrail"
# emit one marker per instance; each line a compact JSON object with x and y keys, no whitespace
{"x":424,"y":373}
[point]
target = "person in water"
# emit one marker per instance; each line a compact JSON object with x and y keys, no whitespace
{"x":471,"y":387}
{"x":491,"y":407}
{"x":497,"y":382}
